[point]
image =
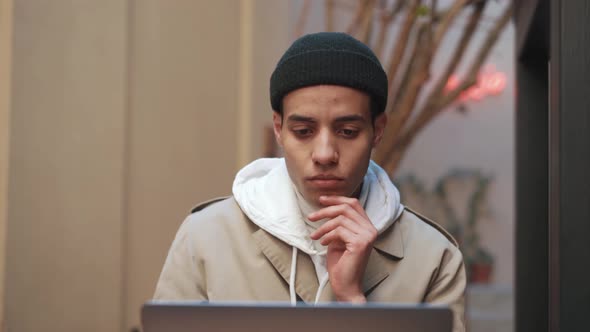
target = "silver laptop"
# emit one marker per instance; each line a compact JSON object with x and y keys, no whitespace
{"x":275,"y":317}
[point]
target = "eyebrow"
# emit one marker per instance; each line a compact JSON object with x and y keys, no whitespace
{"x":345,"y":118}
{"x":350,"y":118}
{"x":300,"y":118}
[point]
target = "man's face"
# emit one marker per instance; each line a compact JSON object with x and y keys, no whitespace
{"x":327,"y":134}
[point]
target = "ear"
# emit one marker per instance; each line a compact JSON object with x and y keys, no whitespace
{"x":277,"y":124}
{"x":379,"y":125}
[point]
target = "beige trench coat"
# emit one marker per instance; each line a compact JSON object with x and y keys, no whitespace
{"x":220,"y":255}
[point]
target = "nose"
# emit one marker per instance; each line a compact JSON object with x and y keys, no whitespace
{"x":325,"y":152}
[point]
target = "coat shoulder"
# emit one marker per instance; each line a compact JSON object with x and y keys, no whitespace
{"x":206,"y":203}
{"x":421,"y":219}
{"x":220,"y":215}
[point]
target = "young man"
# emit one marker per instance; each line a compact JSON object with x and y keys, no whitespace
{"x":325,"y":223}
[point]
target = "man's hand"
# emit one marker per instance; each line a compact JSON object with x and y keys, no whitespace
{"x":349,"y":235}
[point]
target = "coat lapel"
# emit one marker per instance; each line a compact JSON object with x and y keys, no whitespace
{"x":388,"y":246}
{"x":375,"y":272}
{"x":280,"y":256}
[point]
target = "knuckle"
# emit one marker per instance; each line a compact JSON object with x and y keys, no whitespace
{"x":343,"y":208}
{"x":361,"y":245}
{"x":351,"y":202}
{"x":373,"y":232}
{"x":348,"y":209}
{"x":335,"y":222}
{"x":371,"y":240}
{"x":366,"y":242}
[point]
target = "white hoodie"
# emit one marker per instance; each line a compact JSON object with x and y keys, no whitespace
{"x":266,"y":194}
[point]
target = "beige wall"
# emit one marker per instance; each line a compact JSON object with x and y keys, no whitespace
{"x":124,"y":115}
{"x":182,"y":133}
{"x":5,"y":60}
{"x":66,"y":166}
{"x":270,"y":39}
{"x":187,"y":135}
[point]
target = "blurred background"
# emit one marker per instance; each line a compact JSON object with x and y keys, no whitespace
{"x":119,"y":116}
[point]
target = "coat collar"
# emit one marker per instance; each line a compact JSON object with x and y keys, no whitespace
{"x":387,"y":246}
{"x":391,"y":240}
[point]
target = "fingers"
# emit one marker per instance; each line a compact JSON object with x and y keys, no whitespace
{"x":339,"y":234}
{"x":335,"y":211}
{"x":339,"y":221}
{"x":348,"y":222}
{"x":345,"y":238}
{"x":338,"y":200}
{"x":348,"y":209}
{"x":345,"y":231}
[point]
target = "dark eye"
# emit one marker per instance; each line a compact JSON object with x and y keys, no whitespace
{"x":349,"y":133}
{"x":303,"y":132}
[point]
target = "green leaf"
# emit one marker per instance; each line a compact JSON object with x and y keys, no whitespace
{"x":423,"y":10}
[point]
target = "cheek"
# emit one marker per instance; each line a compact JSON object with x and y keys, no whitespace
{"x":295,"y":158}
{"x":356,"y":157}
{"x":295,"y":150}
{"x":358,"y":149}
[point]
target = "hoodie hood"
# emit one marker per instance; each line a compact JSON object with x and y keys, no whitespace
{"x":265,"y":193}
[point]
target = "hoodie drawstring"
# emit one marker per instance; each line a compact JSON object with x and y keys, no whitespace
{"x":292,"y":294}
{"x":292,"y":277}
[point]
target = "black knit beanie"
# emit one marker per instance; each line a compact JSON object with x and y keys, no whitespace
{"x":328,"y":58}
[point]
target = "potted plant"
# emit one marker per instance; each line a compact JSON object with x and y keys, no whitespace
{"x":459,"y":203}
{"x":463,"y":217}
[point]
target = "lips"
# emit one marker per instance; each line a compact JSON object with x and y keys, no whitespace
{"x":325,"y":181}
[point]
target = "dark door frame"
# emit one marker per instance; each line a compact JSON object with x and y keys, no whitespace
{"x":552,"y":165}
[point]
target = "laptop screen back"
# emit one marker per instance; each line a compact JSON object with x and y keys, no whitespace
{"x":197,"y":317}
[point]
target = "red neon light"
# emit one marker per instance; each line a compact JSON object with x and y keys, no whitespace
{"x":489,"y":83}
